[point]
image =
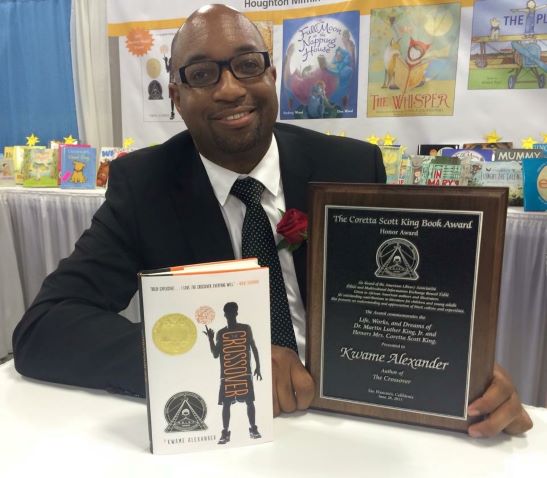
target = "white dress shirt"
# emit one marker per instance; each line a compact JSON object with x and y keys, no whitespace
{"x":267,"y":171}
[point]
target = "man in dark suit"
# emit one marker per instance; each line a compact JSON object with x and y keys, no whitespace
{"x":170,"y":204}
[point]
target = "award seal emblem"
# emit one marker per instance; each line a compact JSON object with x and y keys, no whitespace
{"x":185,"y":412}
{"x":155,"y":91}
{"x":153,"y":68}
{"x":174,"y":334}
{"x":397,"y":259}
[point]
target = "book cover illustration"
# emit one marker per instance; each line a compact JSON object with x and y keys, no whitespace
{"x":18,"y":156}
{"x":499,"y":173}
{"x":516,"y":154}
{"x":415,"y":166}
{"x":495,"y":146}
{"x":61,"y":147}
{"x":78,"y":167}
{"x":393,"y":158}
{"x":470,"y":154}
{"x":265,"y":27}
{"x":444,"y":171}
{"x":413,"y":57}
{"x":404,"y":170}
{"x":106,"y":155}
{"x":19,"y":153}
{"x":155,"y":72}
{"x":7,"y":175}
{"x":541,"y":146}
{"x":208,"y":356}
{"x":320,"y":67}
{"x":8,"y":152}
{"x":535,"y":184}
{"x":40,"y":168}
{"x":508,"y":45}
{"x":433,"y":149}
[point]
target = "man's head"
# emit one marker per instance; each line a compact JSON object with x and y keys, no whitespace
{"x":230,"y":311}
{"x":231,"y":121}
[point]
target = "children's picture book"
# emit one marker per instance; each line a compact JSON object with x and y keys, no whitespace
{"x":19,"y":153}
{"x":508,"y":48}
{"x":499,"y":173}
{"x":78,"y":167}
{"x":207,"y":356}
{"x":443,"y":171}
{"x":404,"y":170}
{"x":40,"y":168}
{"x":495,"y":146}
{"x":470,"y":154}
{"x":7,"y":176}
{"x":8,"y":152}
{"x":535,"y":184}
{"x":433,"y":149}
{"x":392,"y":157}
{"x":413,"y":60}
{"x":414,"y":171}
{"x":106,"y":156}
{"x":515,"y":154}
{"x":61,"y":147}
{"x":320,"y":67}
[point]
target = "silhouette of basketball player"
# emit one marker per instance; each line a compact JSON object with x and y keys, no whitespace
{"x":167,"y":62}
{"x":233,"y":345}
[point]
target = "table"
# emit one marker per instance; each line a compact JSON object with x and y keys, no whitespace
{"x":68,"y":431}
{"x":41,"y":226}
{"x":11,"y":293}
{"x":38,"y":227}
{"x":521,"y":344}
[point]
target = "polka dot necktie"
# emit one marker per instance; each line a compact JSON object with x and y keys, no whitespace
{"x":257,"y":240}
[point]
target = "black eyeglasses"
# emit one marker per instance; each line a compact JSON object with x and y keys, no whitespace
{"x":207,"y":73}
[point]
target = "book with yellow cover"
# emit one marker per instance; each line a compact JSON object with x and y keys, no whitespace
{"x":19,"y":154}
{"x":40,"y":168}
{"x":7,"y":175}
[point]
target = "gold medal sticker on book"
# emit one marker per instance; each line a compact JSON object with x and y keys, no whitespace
{"x":174,"y":334}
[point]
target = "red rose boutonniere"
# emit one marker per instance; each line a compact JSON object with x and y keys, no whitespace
{"x":293,"y":226}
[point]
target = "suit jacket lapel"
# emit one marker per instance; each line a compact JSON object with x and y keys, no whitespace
{"x":295,"y":174}
{"x":204,"y":226}
{"x":202,"y":221}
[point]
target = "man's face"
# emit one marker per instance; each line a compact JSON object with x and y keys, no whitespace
{"x":232,"y":116}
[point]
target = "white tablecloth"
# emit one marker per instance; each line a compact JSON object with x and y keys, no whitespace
{"x":43,"y":224}
{"x":38,"y":228}
{"x":12,"y":304}
{"x":521,"y":344}
{"x":51,"y":430}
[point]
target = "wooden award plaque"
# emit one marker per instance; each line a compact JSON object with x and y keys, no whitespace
{"x":403,"y":289}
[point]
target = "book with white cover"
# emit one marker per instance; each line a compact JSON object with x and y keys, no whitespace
{"x":207,"y":356}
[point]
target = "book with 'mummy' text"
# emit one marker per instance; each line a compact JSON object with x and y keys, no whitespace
{"x":207,"y":356}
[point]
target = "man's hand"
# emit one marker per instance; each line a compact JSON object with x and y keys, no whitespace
{"x":257,"y":373}
{"x":501,"y":408}
{"x":210,"y":333}
{"x":293,"y":386}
